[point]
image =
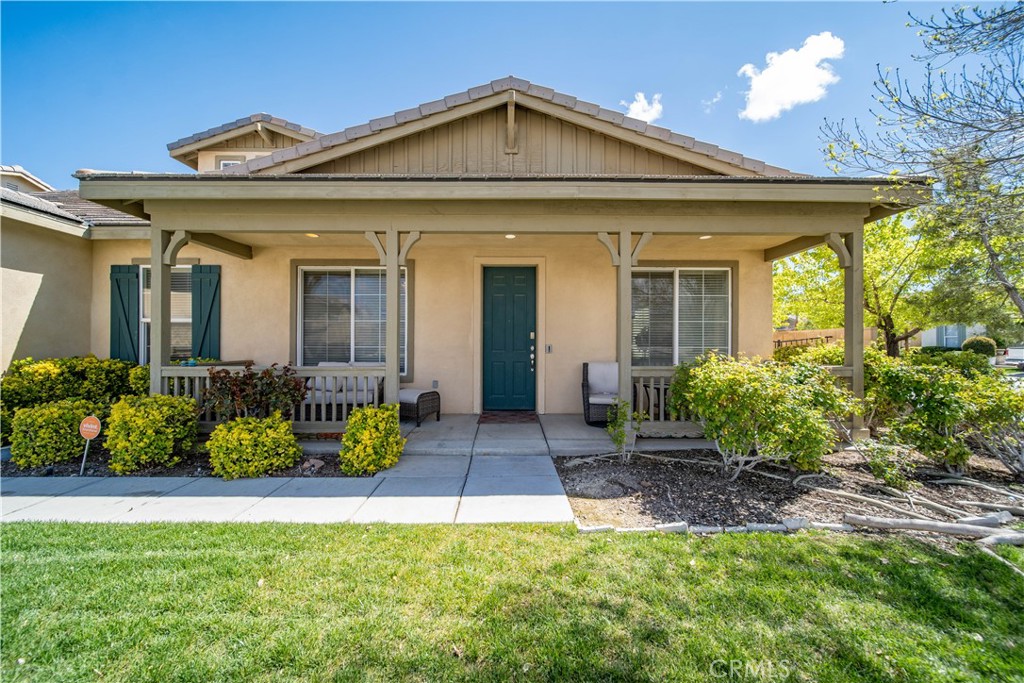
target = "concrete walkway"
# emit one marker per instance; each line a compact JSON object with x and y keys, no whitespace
{"x":419,"y":489}
{"x":454,"y":470}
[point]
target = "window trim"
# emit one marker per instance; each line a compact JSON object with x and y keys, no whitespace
{"x":298,"y":266}
{"x":674,"y":266}
{"x":143,"y":320}
{"x":232,"y":159}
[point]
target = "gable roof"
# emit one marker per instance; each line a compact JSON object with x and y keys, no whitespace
{"x":69,"y":202}
{"x":267,"y":132}
{"x":299,"y":131}
{"x":19,"y":170}
{"x":36,"y":203}
{"x":529,"y":95}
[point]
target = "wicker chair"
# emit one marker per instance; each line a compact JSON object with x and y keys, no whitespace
{"x":600,"y":389}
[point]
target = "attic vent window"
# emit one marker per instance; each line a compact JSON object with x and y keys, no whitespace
{"x":224,"y":163}
{"x":11,"y":186}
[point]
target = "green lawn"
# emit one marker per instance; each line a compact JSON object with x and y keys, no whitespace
{"x":186,"y":603}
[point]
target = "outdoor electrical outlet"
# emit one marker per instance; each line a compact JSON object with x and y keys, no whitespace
{"x":433,"y":385}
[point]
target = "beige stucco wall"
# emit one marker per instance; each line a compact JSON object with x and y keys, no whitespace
{"x":45,"y":285}
{"x":576,"y":310}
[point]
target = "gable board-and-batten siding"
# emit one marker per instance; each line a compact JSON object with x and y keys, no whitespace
{"x":476,"y":145}
{"x":255,"y":141}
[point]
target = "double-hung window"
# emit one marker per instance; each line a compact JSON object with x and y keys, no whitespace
{"x":342,"y":316}
{"x":181,"y":313}
{"x":679,"y":314}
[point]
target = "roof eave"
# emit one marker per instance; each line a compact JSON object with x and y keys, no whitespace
{"x":124,"y":192}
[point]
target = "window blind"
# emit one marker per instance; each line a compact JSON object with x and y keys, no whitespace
{"x":344,"y":316}
{"x":652,"y":319}
{"x":680,"y":314}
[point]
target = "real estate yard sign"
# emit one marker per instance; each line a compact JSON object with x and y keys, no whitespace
{"x":89,"y":429}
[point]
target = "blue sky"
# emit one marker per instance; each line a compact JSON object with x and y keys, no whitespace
{"x":108,"y":85}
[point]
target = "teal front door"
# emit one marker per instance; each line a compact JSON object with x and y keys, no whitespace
{"x":510,"y":344}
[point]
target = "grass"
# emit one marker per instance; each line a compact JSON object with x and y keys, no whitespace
{"x":273,"y":602}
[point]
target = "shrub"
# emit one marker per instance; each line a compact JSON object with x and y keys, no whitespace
{"x":147,"y":431}
{"x":619,"y":418}
{"x":928,"y":410}
{"x":253,"y":447}
{"x":980,"y":345}
{"x":254,"y":394}
{"x":372,"y":441}
{"x":765,"y":411}
{"x":677,"y":403}
{"x":967,"y":364}
{"x":138,"y":380}
{"x":31,"y":382}
{"x":889,"y":463}
{"x":825,"y":354}
{"x":875,"y":408}
{"x":936,"y":349}
{"x":48,"y":433}
{"x":788,"y":352}
{"x":994,"y":423}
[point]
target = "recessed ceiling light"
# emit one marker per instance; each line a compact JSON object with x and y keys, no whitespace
{"x":705,"y":237}
{"x":312,"y":234}
{"x":510,"y":236}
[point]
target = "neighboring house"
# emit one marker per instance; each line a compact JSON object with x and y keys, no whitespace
{"x":46,"y":270}
{"x":18,"y":179}
{"x":950,"y":336}
{"x":486,"y":244}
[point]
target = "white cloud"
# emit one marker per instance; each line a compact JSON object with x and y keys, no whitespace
{"x":792,"y":77}
{"x":709,"y":105}
{"x":641,"y":109}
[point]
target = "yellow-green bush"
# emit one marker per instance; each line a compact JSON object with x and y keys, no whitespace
{"x":31,"y":382}
{"x":252,"y":447}
{"x":47,"y":434}
{"x":372,"y":441}
{"x":138,"y":380}
{"x":148,"y":431}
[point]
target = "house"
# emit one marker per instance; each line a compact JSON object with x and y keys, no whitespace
{"x":17,"y":179}
{"x":950,"y":336}
{"x":485,"y":244}
{"x":46,"y":269}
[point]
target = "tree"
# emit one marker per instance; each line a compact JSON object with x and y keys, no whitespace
{"x":971,"y":98}
{"x":810,"y":285}
{"x":975,"y":238}
{"x":963,"y":126}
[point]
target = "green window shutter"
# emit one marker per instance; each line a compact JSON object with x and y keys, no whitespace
{"x":206,"y":312}
{"x":124,"y":313}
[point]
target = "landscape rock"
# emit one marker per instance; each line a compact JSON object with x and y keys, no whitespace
{"x":794,"y":523}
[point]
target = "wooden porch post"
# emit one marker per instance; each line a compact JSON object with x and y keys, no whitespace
{"x":159,"y":309}
{"x":391,"y":301}
{"x":853,"y":285}
{"x":624,"y":317}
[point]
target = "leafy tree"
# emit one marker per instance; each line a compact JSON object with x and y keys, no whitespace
{"x":975,"y":237}
{"x":971,"y":98}
{"x":961,"y":124}
{"x":810,"y":284}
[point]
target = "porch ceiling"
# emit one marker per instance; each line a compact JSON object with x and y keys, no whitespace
{"x":718,"y":242}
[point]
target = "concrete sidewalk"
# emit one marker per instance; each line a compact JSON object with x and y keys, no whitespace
{"x":462,"y":489}
{"x":552,"y":435}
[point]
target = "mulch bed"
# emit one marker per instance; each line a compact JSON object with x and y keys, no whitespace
{"x":645,"y":491}
{"x":195,"y":465}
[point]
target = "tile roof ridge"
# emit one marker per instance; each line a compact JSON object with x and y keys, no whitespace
{"x":498,"y":86}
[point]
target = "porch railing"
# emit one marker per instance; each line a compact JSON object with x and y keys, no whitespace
{"x":651,"y":389}
{"x":332,"y":393}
